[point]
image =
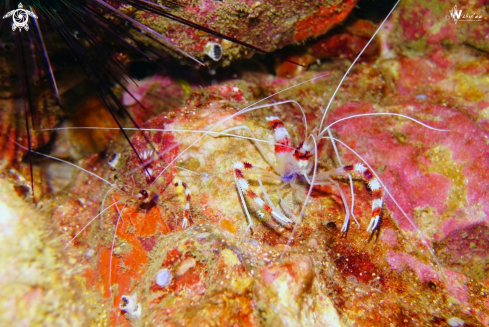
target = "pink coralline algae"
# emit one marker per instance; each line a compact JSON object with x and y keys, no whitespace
{"x":441,"y":176}
{"x":429,"y":24}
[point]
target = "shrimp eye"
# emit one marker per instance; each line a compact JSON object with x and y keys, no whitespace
{"x":143,"y":194}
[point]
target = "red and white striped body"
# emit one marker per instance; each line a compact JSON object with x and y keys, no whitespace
{"x":291,"y":161}
{"x":295,"y":162}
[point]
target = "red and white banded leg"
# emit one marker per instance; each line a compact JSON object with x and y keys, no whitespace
{"x":373,"y":184}
{"x":243,"y":189}
{"x":147,"y":157}
{"x":184,"y":193}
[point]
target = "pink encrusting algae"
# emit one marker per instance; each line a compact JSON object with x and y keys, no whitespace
{"x":424,"y":265}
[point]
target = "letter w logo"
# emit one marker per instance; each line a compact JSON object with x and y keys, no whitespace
{"x":455,"y":14}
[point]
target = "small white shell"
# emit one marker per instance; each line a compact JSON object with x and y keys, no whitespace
{"x":260,"y":214}
{"x":129,"y":304}
{"x":213,"y":50}
{"x":454,"y":322}
{"x":163,"y":277}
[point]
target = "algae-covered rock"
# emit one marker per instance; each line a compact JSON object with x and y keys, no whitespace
{"x":267,"y":25}
{"x":40,"y":287}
